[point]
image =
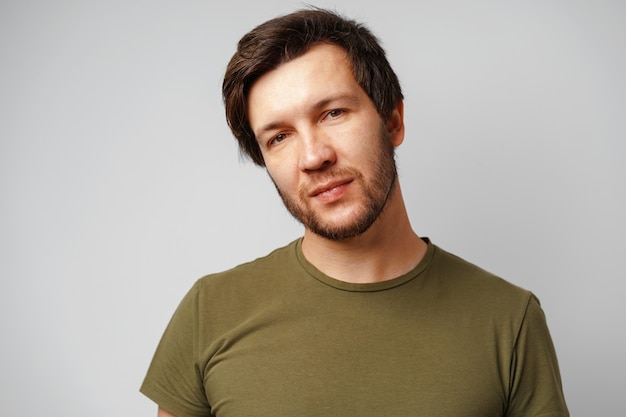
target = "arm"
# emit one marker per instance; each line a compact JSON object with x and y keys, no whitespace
{"x":172,"y":381}
{"x":536,"y":388}
{"x":163,"y":413}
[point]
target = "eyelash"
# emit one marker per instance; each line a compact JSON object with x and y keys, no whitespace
{"x":332,"y":114}
{"x":280,"y":137}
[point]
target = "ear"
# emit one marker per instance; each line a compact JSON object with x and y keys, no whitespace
{"x":395,"y":124}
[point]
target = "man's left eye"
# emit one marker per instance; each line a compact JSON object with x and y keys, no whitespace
{"x":334,"y":113}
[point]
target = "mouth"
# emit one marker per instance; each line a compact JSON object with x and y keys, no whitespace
{"x":330,"y":191}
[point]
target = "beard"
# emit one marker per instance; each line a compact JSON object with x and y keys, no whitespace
{"x":376,"y":193}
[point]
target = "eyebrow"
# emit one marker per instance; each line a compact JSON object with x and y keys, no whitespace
{"x":319,"y":105}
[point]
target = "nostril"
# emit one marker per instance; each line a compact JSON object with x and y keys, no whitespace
{"x":317,"y":161}
{"x":319,"y":167}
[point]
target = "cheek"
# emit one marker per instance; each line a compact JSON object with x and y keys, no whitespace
{"x":362,"y":140}
{"x":365,"y":149}
{"x":282,"y":176}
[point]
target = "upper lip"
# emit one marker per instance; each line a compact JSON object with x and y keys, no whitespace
{"x":328,"y":186}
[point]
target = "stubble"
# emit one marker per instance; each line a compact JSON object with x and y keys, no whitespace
{"x":375,"y":195}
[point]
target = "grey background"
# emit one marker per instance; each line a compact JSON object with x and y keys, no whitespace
{"x":121,"y":185}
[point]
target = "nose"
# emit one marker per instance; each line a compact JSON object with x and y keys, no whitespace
{"x":316,"y":152}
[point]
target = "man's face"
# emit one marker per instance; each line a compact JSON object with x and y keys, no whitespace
{"x":325,"y":146}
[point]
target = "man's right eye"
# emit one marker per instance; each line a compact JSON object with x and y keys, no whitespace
{"x":277,"y":139}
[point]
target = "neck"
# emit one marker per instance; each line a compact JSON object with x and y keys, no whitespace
{"x":388,"y":249}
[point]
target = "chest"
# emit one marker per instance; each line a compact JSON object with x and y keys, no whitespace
{"x":357,"y":361}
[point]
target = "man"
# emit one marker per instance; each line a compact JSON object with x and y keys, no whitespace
{"x":359,"y":317}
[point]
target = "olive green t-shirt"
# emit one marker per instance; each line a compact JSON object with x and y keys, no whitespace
{"x":277,"y":338}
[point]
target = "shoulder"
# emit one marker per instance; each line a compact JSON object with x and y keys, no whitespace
{"x":255,"y":279}
{"x":470,"y":284}
{"x":466,"y":273}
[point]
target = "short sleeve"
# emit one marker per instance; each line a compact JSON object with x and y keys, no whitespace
{"x":535,"y":386}
{"x":173,"y":380}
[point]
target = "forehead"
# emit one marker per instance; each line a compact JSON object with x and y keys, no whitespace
{"x":322,"y":72}
{"x":319,"y":57}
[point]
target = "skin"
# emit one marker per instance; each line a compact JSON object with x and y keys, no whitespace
{"x":329,"y":184}
{"x":162,"y":413}
{"x":327,"y":150}
{"x":330,"y":156}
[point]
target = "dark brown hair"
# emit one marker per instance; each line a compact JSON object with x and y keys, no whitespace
{"x":285,"y":38}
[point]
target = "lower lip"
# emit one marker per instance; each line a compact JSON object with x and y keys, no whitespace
{"x":333,"y":194}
